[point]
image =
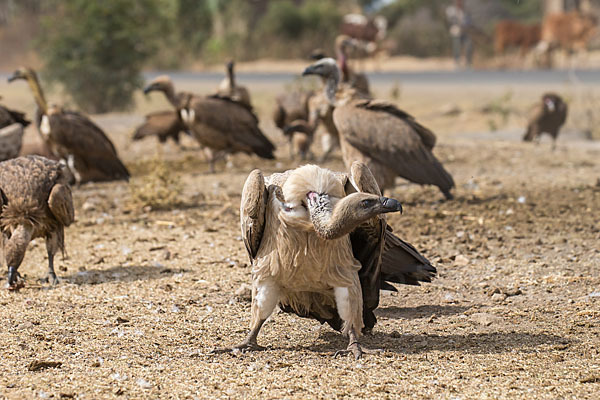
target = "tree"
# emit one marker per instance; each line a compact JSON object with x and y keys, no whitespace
{"x":97,"y":49}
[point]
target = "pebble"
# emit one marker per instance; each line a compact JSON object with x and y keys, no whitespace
{"x":485,"y":319}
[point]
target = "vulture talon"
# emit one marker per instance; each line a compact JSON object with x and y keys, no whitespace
{"x":240,"y":348}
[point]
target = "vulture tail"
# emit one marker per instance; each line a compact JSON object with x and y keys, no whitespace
{"x":402,"y":263}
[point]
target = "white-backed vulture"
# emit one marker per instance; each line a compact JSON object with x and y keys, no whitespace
{"x":218,"y":123}
{"x":162,"y":124}
{"x":35,"y":201}
{"x":315,"y":239}
{"x":548,"y":116}
{"x":229,"y":87}
{"x":391,"y":142}
{"x":73,"y":137}
{"x":291,"y":116}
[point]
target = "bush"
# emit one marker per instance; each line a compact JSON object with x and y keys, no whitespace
{"x":98,"y":49}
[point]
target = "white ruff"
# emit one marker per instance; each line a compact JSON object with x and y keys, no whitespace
{"x":45,"y":125}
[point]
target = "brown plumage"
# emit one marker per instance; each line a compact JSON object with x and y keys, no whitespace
{"x":162,"y":124}
{"x":73,"y":137}
{"x":9,"y":117}
{"x":291,"y":116}
{"x":35,"y":202}
{"x":219,"y":123}
{"x":229,"y":87}
{"x":358,"y":81}
{"x":11,"y":132}
{"x":315,"y":240}
{"x":548,"y":116}
{"x":391,"y":142}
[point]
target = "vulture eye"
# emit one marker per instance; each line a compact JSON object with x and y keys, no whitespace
{"x":367,"y":203}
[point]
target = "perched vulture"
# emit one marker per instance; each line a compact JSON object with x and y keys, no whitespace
{"x":320,"y":248}
{"x":229,"y":88}
{"x":220,"y":124}
{"x":162,"y":124}
{"x":390,"y":141}
{"x":35,"y":201}
{"x":291,"y":116}
{"x":548,"y":116}
{"x":11,"y":132}
{"x":73,"y":137}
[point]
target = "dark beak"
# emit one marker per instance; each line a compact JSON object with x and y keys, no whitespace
{"x":309,"y":71}
{"x":148,"y":89}
{"x":14,"y":77}
{"x":390,"y":205}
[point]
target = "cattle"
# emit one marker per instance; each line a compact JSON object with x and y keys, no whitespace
{"x":509,"y":33}
{"x":567,"y":31}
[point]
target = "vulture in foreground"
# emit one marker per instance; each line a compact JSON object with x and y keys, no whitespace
{"x":229,"y":87}
{"x":11,"y":132}
{"x":220,"y":124}
{"x":390,"y":141}
{"x":548,"y":116}
{"x":35,"y":201}
{"x":291,"y":116}
{"x":162,"y":124}
{"x":73,"y":137}
{"x":321,"y":249}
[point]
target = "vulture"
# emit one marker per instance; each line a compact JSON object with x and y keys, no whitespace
{"x":320,"y":248}
{"x":390,"y":141}
{"x":35,"y":201}
{"x":548,"y":116}
{"x":356,"y":80}
{"x":73,"y":137}
{"x":162,"y":124}
{"x":11,"y":132}
{"x":229,"y":88}
{"x":218,"y":123}
{"x":291,"y":116}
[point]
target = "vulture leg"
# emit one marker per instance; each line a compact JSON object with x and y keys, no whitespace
{"x":14,"y":251}
{"x":265,"y":296}
{"x":51,"y":248}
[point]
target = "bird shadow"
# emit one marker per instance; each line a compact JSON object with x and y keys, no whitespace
{"x":422,"y":311}
{"x":473,"y":343}
{"x":119,"y":273}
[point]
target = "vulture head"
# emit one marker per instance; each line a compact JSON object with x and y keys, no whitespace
{"x":329,"y":71}
{"x":334,"y":218}
{"x":24,"y":73}
{"x":230,"y":65}
{"x":161,"y":83}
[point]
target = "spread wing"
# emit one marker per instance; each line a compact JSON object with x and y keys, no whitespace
{"x":252,"y":211}
{"x":391,"y":137}
{"x":60,"y":202}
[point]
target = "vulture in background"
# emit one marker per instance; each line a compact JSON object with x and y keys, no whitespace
{"x":229,"y":88}
{"x":220,"y":124}
{"x":291,"y":116}
{"x":162,"y":124}
{"x":356,"y":80}
{"x":548,"y":116}
{"x":320,"y":248}
{"x":11,"y":132}
{"x":35,"y":201}
{"x":73,"y":137}
{"x":391,"y":142}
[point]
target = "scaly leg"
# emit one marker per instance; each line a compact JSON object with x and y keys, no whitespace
{"x":265,"y":296}
{"x":51,"y":248}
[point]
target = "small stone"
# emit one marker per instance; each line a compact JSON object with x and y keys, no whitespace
{"x":461,"y":260}
{"x":485,"y":319}
{"x":144,"y":384}
{"x":498,"y":297}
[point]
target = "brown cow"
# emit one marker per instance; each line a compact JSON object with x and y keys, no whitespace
{"x":509,"y":33}
{"x":568,"y":31}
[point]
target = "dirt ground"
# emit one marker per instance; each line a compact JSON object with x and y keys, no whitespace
{"x":146,"y":293}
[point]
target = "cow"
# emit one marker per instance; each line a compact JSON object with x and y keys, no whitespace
{"x":509,"y":33}
{"x":567,"y":31}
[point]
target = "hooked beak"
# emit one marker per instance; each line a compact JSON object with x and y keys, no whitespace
{"x":149,"y":88}
{"x":14,"y":77}
{"x":390,"y":205}
{"x":309,"y":71}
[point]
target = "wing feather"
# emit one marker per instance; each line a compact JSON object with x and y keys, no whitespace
{"x":60,"y":202}
{"x":252,"y":211}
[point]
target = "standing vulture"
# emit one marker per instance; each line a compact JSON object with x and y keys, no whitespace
{"x":291,"y":116}
{"x":218,"y":123}
{"x":229,"y":87}
{"x":162,"y":124}
{"x":356,"y":80}
{"x":35,"y":201}
{"x":382,"y":136}
{"x":548,"y":116}
{"x":321,"y":249}
{"x":73,"y":137}
{"x":11,"y":132}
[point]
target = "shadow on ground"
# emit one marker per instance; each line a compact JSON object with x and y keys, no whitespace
{"x":120,"y":274}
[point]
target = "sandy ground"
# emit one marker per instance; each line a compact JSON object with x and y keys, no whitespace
{"x":145,"y":294}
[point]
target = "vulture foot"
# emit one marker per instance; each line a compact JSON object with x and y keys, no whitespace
{"x":357,"y":350}
{"x":50,"y":278}
{"x":243,"y":347}
{"x":15,"y":281}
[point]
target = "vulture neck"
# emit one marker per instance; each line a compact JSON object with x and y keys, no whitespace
{"x":38,"y":94}
{"x":231,"y":77}
{"x":331,"y":86}
{"x":169,"y":92}
{"x":334,"y":222}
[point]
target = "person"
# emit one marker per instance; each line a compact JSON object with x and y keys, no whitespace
{"x":459,"y":22}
